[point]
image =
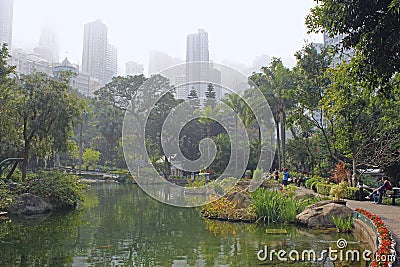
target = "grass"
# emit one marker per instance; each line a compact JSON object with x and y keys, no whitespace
{"x":273,"y":206}
{"x":343,"y":225}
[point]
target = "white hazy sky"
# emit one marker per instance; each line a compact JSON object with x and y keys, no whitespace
{"x":238,"y":30}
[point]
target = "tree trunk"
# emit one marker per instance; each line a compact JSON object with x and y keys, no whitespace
{"x":278,"y":142}
{"x":283,"y":137}
{"x":25,"y":161}
{"x":167,"y":166}
{"x":354,"y":175}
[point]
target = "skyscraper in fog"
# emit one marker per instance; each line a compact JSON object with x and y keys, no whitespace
{"x":6,"y":21}
{"x":158,"y":61}
{"x":133,"y":68}
{"x":197,"y":51}
{"x":48,"y":48}
{"x":99,"y":58}
{"x":111,"y":67}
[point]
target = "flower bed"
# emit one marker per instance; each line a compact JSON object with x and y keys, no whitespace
{"x":386,"y":253}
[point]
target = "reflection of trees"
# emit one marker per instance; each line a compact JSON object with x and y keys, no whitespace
{"x":121,"y":225}
{"x":39,"y":243}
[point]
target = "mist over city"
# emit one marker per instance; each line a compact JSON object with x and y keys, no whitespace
{"x":199,"y":133}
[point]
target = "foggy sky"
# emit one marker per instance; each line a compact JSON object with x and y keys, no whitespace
{"x":238,"y":30}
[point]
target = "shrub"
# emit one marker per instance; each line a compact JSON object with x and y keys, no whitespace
{"x":338,"y":191}
{"x":341,"y":173}
{"x":5,"y":194}
{"x":59,"y":189}
{"x":323,"y":188}
{"x":313,"y":181}
{"x":351,"y":192}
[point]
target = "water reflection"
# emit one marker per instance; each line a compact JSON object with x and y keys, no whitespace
{"x":121,"y":226}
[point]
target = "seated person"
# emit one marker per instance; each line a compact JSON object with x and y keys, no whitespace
{"x":380,"y":191}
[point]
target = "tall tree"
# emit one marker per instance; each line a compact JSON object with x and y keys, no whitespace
{"x":371,"y":27}
{"x":46,"y":109}
{"x":8,"y":130}
{"x":307,"y":118}
{"x":275,"y":81}
{"x":363,"y":136}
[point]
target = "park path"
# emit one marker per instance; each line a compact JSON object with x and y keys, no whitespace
{"x":388,"y":213}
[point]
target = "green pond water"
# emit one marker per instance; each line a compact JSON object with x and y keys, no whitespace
{"x":119,"y":225}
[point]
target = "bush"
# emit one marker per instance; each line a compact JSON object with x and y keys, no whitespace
{"x":323,"y":188}
{"x":5,"y":194}
{"x":59,"y":189}
{"x":312,"y":182}
{"x":351,"y":193}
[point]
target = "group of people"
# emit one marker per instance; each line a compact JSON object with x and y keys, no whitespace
{"x":376,"y":195}
{"x":286,"y":178}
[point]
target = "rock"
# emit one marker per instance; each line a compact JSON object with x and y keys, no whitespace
{"x":27,"y":204}
{"x":320,"y":215}
{"x":241,"y":200}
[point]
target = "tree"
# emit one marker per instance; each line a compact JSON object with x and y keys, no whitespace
{"x":8,"y":130}
{"x":275,"y":81}
{"x":46,"y":109}
{"x":121,"y":91}
{"x":91,"y":156}
{"x":371,"y":27}
{"x":193,"y":94}
{"x":310,"y":128}
{"x":362,"y":135}
{"x":210,"y":93}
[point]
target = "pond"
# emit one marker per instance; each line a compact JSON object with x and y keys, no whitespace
{"x":119,"y":225}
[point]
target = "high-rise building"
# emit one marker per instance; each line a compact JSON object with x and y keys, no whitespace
{"x":260,"y":61}
{"x":48,"y":48}
{"x":95,"y":50}
{"x":111,"y":67}
{"x":343,"y":54}
{"x":159,"y":61}
{"x":6,"y":22}
{"x":133,"y":68}
{"x":197,"y":51}
{"x":197,"y":61}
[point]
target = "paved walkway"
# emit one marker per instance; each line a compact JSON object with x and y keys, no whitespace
{"x":388,"y":213}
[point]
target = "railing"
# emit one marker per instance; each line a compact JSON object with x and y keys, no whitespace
{"x":382,"y":257}
{"x":13,"y":162}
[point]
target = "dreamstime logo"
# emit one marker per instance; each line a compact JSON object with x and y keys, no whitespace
{"x":138,"y":130}
{"x":340,"y":254}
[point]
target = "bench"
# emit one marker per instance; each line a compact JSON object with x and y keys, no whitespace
{"x":393,"y":194}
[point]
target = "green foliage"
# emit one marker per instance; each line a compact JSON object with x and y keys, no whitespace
{"x":313,"y":181}
{"x":5,"y":199}
{"x":197,"y":182}
{"x":343,"y":225}
{"x":369,"y":27}
{"x":273,"y":206}
{"x":338,"y":191}
{"x":323,"y":188}
{"x":44,"y":112}
{"x":60,"y":189}
{"x":91,"y":156}
{"x":351,"y":192}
